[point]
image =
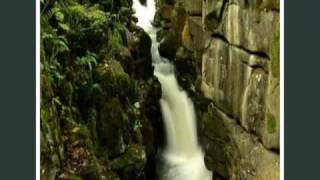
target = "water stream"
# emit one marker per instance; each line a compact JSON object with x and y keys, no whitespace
{"x":183,"y":156}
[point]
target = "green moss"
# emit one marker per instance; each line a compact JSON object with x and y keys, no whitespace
{"x":271,"y":123}
{"x":74,"y":177}
{"x":83,"y":12}
{"x":84,"y":20}
{"x":114,"y":80}
{"x":135,"y":156}
{"x":275,"y":52}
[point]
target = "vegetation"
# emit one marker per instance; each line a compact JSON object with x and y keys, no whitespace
{"x":91,"y":91}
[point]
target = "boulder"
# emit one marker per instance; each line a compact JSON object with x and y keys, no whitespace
{"x":111,"y":126}
{"x":130,"y":166}
{"x":194,"y":36}
{"x":173,"y":40}
{"x":233,"y":153}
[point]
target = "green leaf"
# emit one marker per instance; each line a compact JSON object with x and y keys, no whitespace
{"x":65,"y":27}
{"x":59,"y":16}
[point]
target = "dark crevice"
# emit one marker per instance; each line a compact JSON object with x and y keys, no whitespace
{"x":256,"y":53}
{"x":273,"y":10}
{"x":255,"y":66}
{"x":223,"y":8}
{"x":273,"y":150}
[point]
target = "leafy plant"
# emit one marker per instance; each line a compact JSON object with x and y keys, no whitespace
{"x":57,"y":43}
{"x":88,"y":60}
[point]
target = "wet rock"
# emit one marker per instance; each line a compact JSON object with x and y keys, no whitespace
{"x":253,"y":104}
{"x":235,"y":154}
{"x":131,"y":164}
{"x":169,"y":46}
{"x":185,"y":68}
{"x":143,"y":63}
{"x":152,"y":122}
{"x":173,"y":40}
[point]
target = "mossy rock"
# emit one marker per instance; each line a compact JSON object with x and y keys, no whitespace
{"x":80,"y":16}
{"x":271,"y":123}
{"x":115,"y":81}
{"x":131,"y":164}
{"x":111,"y":127}
{"x":86,"y":26}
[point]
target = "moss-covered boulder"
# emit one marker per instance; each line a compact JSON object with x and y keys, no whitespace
{"x":111,"y":127}
{"x":131,"y":165}
{"x":114,"y":81}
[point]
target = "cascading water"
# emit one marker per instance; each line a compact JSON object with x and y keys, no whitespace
{"x":183,"y":155}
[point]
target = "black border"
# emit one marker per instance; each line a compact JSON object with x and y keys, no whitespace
{"x":302,"y":90}
{"x":17,"y":90}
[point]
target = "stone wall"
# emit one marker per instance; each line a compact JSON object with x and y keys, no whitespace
{"x":234,"y":46}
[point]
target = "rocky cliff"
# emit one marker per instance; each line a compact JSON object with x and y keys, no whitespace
{"x":99,"y":99}
{"x":226,"y":54}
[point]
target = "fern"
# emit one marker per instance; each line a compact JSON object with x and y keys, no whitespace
{"x":88,"y":60}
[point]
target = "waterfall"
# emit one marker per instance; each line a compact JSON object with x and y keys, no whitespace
{"x":183,"y":155}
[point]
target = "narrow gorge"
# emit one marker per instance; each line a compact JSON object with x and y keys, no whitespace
{"x":160,"y":89}
{"x":182,"y":156}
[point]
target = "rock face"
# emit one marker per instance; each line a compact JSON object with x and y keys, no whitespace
{"x":234,"y":49}
{"x":234,"y":153}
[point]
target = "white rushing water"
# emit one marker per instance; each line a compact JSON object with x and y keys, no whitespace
{"x":183,"y":155}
